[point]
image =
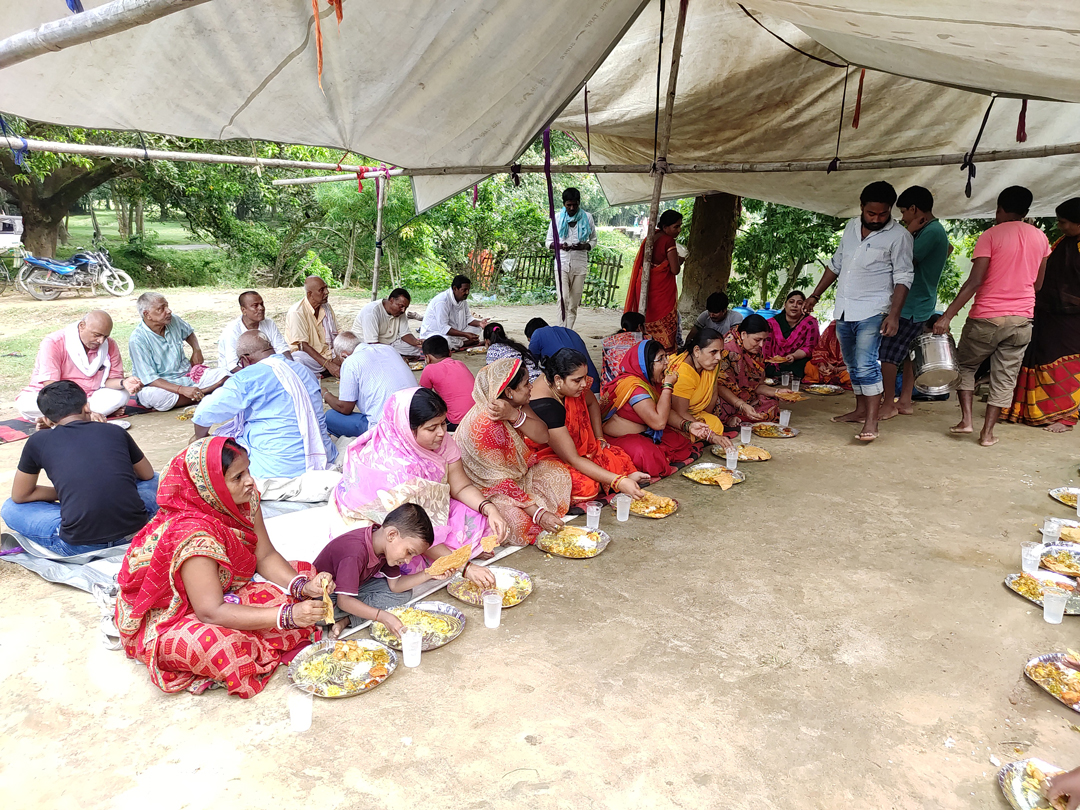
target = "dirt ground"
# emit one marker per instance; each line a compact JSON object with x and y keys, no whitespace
{"x":832,"y":633}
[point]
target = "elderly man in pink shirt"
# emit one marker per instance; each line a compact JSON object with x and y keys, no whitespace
{"x":84,"y":353}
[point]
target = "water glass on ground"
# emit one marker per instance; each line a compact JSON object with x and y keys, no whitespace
{"x":1051,"y":529}
{"x":622,"y":507}
{"x":731,"y":456}
{"x":1054,"y":600}
{"x":412,"y":641}
{"x":796,"y":384}
{"x":785,"y":379}
{"x":1030,"y":554}
{"x":785,"y":418}
{"x":592,"y":515}
{"x":300,"y":699}
{"x":493,"y":600}
{"x":746,"y":433}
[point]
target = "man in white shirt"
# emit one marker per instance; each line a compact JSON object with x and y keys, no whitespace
{"x":252,"y":316}
{"x":577,"y":236}
{"x":386,"y":322}
{"x":448,"y":315}
{"x":875,"y":269}
{"x":370,"y":373}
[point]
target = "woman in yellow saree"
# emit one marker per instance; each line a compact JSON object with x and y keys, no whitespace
{"x":694,"y":396}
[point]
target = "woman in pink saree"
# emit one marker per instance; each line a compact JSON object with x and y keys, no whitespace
{"x":410,"y":458}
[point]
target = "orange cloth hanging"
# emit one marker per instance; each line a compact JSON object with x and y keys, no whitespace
{"x":318,"y":37}
{"x":858,"y":101}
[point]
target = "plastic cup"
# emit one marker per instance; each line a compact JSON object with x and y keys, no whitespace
{"x":785,"y":418}
{"x":785,"y":379}
{"x":493,"y":600}
{"x":1054,"y":600}
{"x":1030,"y":554}
{"x":746,"y":433}
{"x":622,"y":507}
{"x":731,"y":456}
{"x":795,"y":385}
{"x":412,"y":641}
{"x":1051,"y":529}
{"x":301,"y":699}
{"x":592,"y":515}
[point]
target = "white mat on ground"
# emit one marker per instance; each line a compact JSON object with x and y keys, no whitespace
{"x":83,"y":571}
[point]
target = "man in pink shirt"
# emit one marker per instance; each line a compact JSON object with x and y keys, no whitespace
{"x":84,"y":353}
{"x":450,"y":379}
{"x":1007,"y":269}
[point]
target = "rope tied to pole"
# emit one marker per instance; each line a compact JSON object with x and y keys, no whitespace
{"x":17,"y":155}
{"x":969,"y":157}
{"x":554,"y":225}
{"x":588,"y":138}
{"x":834,"y":164}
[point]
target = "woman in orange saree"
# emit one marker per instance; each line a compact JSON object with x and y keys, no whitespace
{"x":662,"y":308}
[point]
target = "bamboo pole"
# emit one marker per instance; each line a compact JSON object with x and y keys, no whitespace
{"x":661,"y":151}
{"x":382,"y":190}
{"x":95,"y":23}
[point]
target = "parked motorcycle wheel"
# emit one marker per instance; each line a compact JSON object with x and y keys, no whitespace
{"x":42,"y":293}
{"x":117,"y":282}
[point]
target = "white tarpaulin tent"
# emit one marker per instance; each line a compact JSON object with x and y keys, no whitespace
{"x":744,"y":96}
{"x":421,"y":83}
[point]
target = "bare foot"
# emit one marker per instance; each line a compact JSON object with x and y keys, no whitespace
{"x":338,"y":627}
{"x":1057,"y":427}
{"x":961,"y":428}
{"x":866,"y":435}
{"x":987,"y":440}
{"x":853,"y":416}
{"x":888,"y":411}
{"x":905,"y":408}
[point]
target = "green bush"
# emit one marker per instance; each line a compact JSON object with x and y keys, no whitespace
{"x":153,"y":266}
{"x":313,"y":265}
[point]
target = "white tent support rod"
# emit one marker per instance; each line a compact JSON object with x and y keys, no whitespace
{"x":661,"y":151}
{"x":382,"y":190}
{"x":95,"y":23}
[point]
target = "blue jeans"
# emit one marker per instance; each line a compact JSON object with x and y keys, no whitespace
{"x":39,"y":521}
{"x":340,"y":424}
{"x":859,"y":342}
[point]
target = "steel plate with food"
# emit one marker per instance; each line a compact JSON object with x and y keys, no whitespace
{"x":653,"y":506}
{"x":573,"y":542}
{"x":747,"y":452}
{"x":339,"y":669}
{"x":791,"y":396}
{"x":1052,"y":675}
{"x":514,"y":584}
{"x":1032,"y":586}
{"x":439,"y":622}
{"x":774,"y":430}
{"x":1065,"y":495}
{"x":1024,"y":783}
{"x":823,"y":389}
{"x":1062,"y":558}
{"x":714,"y":475}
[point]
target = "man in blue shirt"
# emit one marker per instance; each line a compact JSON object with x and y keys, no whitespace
{"x":545,"y":340}
{"x":273,"y":408}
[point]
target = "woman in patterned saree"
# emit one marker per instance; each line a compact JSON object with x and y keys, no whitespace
{"x":532,"y":495}
{"x":662,"y":307}
{"x":188,"y":607}
{"x":742,"y":395}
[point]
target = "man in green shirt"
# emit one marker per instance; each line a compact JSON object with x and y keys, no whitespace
{"x":931,"y":250}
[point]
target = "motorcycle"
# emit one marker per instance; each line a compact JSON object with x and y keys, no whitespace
{"x":45,"y":279}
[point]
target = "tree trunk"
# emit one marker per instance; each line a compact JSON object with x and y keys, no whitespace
{"x":62,"y":232}
{"x":163,"y":214}
{"x":712,"y":239}
{"x":40,"y":230}
{"x":793,"y":273}
{"x":139,"y":217}
{"x":352,"y":256}
{"x":121,"y":216}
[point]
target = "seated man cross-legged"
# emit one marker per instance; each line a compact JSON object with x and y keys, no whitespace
{"x":448,"y":315}
{"x":169,"y":379}
{"x":103,"y":487}
{"x":252,"y":316}
{"x":84,"y":353}
{"x":311,"y":326}
{"x":387,"y":322}
{"x":370,"y":374}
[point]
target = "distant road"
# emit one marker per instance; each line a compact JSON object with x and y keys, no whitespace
{"x":188,"y":247}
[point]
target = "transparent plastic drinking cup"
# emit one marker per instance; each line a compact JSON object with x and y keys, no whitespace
{"x":796,"y":384}
{"x":746,"y":433}
{"x":592,"y":515}
{"x":1054,"y":600}
{"x":785,"y":418}
{"x":1030,"y":554}
{"x":622,"y":507}
{"x":1051,"y":529}
{"x":493,"y":600}
{"x":412,"y":641}
{"x":301,"y":700}
{"x":785,"y":378}
{"x":731,"y":456}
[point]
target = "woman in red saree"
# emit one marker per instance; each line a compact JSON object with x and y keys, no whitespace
{"x":188,"y":607}
{"x":662,"y":308}
{"x":742,"y":395}
{"x":636,"y":416}
{"x":826,"y":365}
{"x":563,"y":399}
{"x":1048,"y":389}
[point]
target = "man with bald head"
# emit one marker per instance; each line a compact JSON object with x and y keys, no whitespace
{"x":310,"y":327}
{"x":273,"y":407}
{"x":252,"y":316}
{"x":84,"y":353}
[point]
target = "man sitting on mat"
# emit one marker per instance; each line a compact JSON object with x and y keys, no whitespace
{"x":84,"y":353}
{"x":105,"y":486}
{"x":448,"y":315}
{"x":157,"y":358}
{"x":310,"y":328}
{"x":252,"y":316}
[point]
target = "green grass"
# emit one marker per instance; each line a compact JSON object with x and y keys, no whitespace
{"x":81,"y":229}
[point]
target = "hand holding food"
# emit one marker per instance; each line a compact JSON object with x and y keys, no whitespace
{"x":392,"y":622}
{"x":313,"y":588}
{"x":671,"y":377}
{"x":480,"y":575}
{"x":1064,"y":790}
{"x":449,"y":563}
{"x":307,"y":613}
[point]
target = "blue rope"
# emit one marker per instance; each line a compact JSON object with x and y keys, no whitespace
{"x":75,"y":6}
{"x":18,"y":155}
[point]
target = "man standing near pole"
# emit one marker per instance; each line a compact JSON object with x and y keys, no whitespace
{"x":576,"y":237}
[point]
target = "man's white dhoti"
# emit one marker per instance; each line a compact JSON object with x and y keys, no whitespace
{"x":161,"y":400}
{"x":104,"y":401}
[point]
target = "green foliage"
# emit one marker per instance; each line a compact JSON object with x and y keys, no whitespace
{"x":153,"y":266}
{"x":312,"y":265}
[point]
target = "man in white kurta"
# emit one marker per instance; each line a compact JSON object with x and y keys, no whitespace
{"x":386,"y":322}
{"x":252,"y":316}
{"x":448,"y":315}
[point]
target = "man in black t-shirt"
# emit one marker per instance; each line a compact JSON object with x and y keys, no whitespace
{"x":105,"y":486}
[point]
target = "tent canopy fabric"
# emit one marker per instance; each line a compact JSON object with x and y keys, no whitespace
{"x":423,"y":83}
{"x":744,"y":96}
